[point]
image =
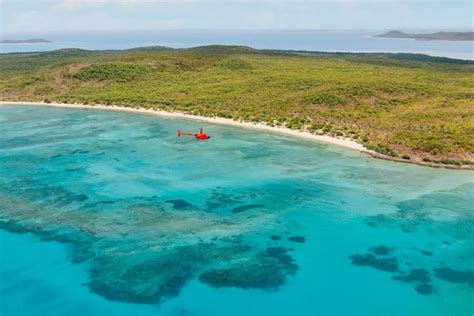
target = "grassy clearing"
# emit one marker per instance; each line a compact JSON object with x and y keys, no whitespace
{"x":413,"y":107}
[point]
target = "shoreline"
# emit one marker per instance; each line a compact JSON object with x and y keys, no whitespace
{"x":350,"y":144}
{"x":217,"y":120}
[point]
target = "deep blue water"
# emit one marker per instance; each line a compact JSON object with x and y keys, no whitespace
{"x":107,"y":213}
{"x":327,"y":41}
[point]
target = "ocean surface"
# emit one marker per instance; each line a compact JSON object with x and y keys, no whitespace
{"x":108,"y":213}
{"x":326,"y":41}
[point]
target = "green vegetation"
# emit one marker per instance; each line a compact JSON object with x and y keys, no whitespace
{"x":116,"y":72}
{"x":413,"y":107}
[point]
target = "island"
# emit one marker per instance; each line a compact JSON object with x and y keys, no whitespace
{"x":405,"y":107}
{"x":26,"y":41}
{"x":438,"y":36}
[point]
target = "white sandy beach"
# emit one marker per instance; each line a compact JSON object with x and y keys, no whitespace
{"x":215,"y":120}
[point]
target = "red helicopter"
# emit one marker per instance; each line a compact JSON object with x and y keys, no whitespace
{"x":200,"y":136}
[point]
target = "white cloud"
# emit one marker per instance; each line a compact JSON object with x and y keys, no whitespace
{"x":75,"y":4}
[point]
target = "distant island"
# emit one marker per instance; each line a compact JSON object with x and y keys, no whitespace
{"x":27,"y":41}
{"x":438,"y":36}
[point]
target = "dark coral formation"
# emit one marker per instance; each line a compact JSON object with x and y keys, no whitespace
{"x":426,"y":253}
{"x":81,"y":251}
{"x":243,"y":208}
{"x":415,"y":275}
{"x":140,"y":276}
{"x":79,"y":151}
{"x":297,"y":239}
{"x":424,"y":289}
{"x":369,"y":222}
{"x":148,"y":277}
{"x":275,"y":237}
{"x":72,"y":169}
{"x":380,"y":250}
{"x":422,"y":279}
{"x":377,"y":259}
{"x":455,"y":276}
{"x":180,"y":204}
{"x":389,"y":264}
{"x":269,"y":269}
{"x":81,"y":197}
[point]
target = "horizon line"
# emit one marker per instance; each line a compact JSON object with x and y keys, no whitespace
{"x":440,"y":29}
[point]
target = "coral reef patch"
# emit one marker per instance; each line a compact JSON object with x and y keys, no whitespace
{"x":381,"y":250}
{"x":243,"y":208}
{"x":265,"y":271}
{"x":455,"y":276}
{"x":180,"y":204}
{"x":138,"y":251}
{"x":422,"y":279}
{"x":297,"y":239}
{"x":384,"y":264}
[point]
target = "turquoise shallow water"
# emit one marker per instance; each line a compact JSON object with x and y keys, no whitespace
{"x":110,"y":213}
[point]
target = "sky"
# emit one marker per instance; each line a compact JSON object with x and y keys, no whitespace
{"x":27,"y":16}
